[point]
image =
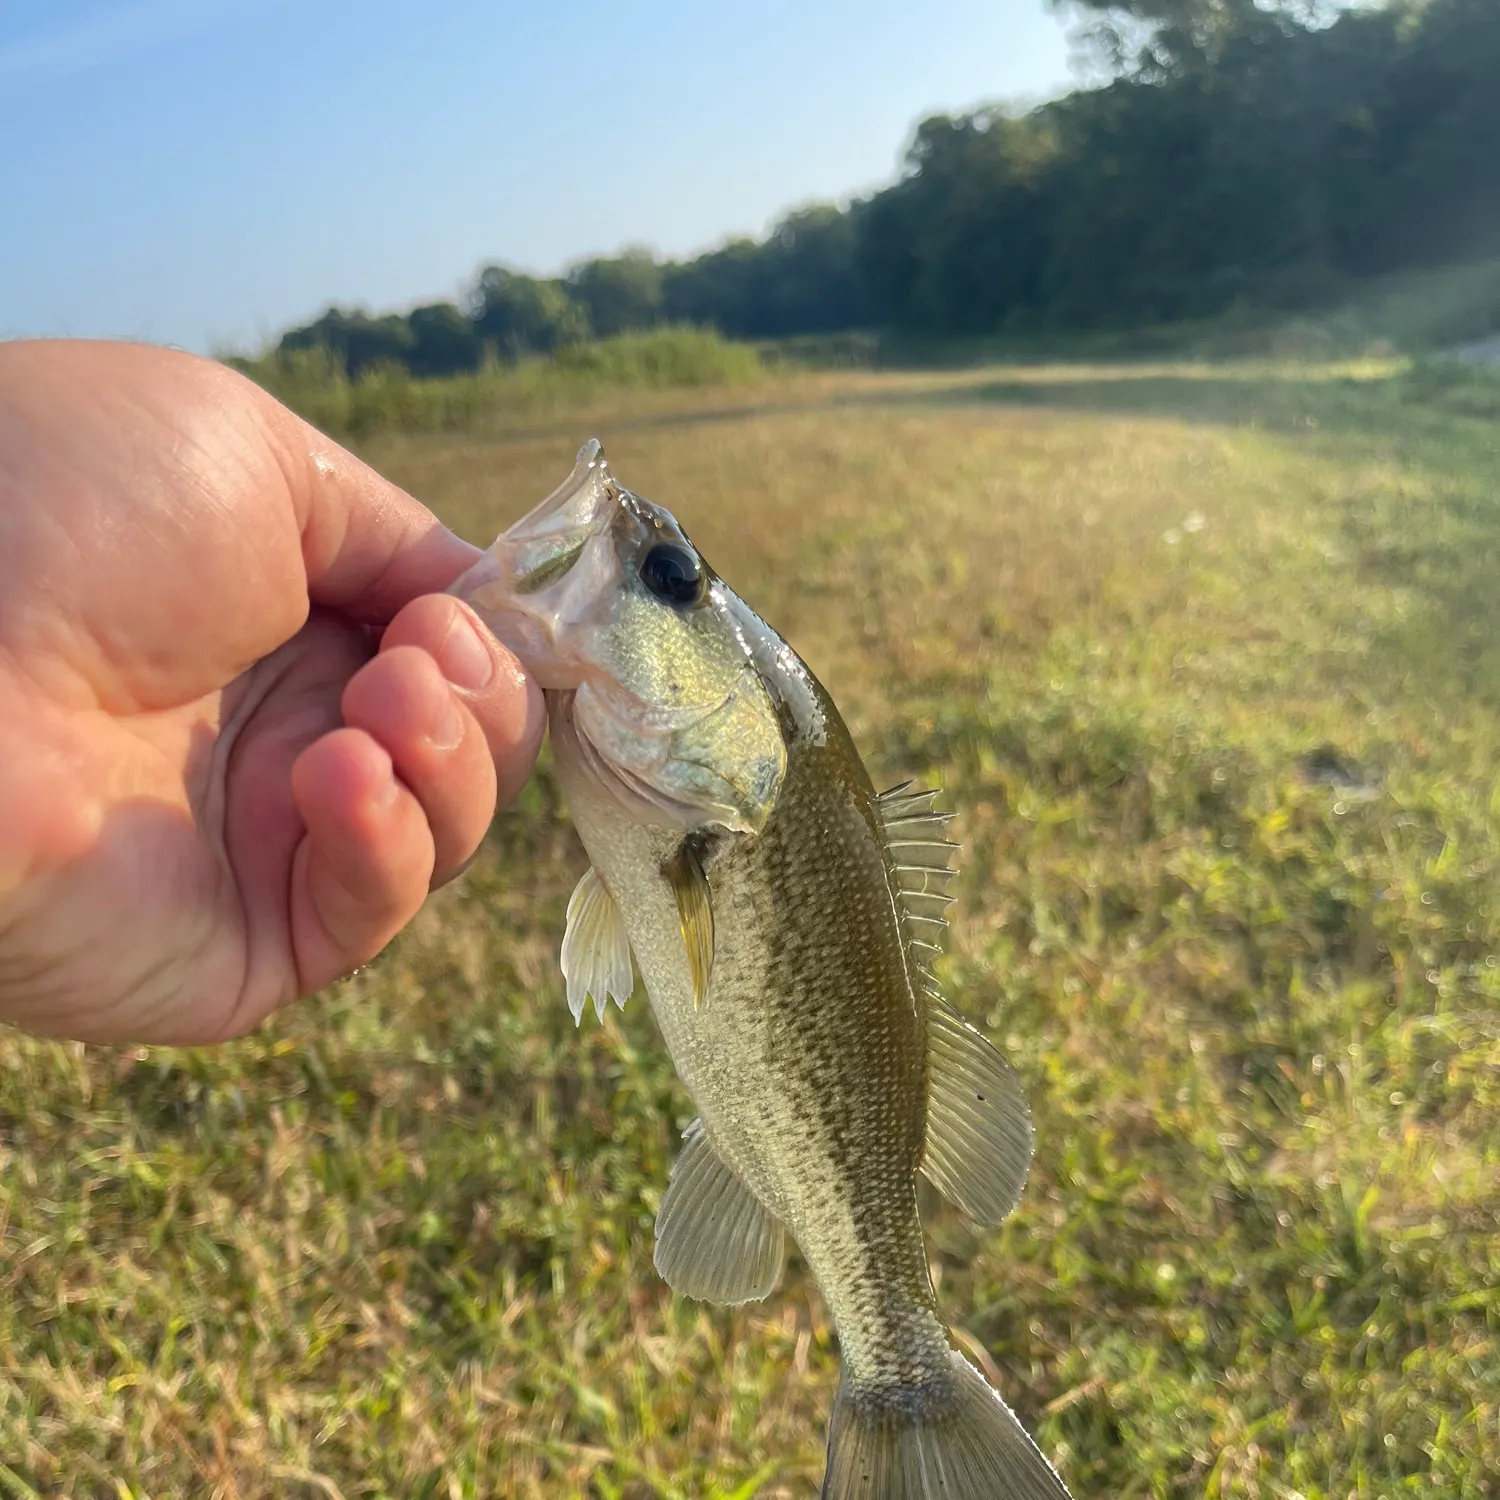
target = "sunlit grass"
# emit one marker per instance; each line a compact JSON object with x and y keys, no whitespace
{"x":1208,"y":661}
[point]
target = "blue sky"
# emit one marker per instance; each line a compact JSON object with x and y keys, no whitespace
{"x":205,"y":172}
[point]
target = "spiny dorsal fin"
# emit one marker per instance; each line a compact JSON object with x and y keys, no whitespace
{"x":921,"y":851}
{"x":979,"y":1136}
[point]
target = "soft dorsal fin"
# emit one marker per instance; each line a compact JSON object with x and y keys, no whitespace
{"x":921,"y":854}
{"x":979,"y":1135}
{"x":715,"y":1240}
{"x":595,"y":949}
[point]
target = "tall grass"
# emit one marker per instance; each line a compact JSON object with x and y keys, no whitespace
{"x":389,"y":399}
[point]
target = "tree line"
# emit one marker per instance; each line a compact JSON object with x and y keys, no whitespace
{"x":1250,"y":151}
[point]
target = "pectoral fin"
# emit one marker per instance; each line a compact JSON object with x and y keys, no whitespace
{"x":595,"y":949}
{"x":978,"y":1125}
{"x":715,"y":1240}
{"x":695,"y":909}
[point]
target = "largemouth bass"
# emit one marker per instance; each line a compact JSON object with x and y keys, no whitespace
{"x":783,"y":916}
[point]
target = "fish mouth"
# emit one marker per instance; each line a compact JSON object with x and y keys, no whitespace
{"x":487,"y":589}
{"x":510,"y":586}
{"x":579,"y":503}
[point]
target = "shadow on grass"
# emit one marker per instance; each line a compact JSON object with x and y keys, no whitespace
{"x":1435,"y":424}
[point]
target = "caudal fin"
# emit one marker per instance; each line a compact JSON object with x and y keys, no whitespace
{"x":971,"y":1448}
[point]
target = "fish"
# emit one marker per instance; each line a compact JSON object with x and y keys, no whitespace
{"x":784,"y":917}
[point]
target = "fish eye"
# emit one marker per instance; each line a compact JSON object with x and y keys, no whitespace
{"x":673,"y":574}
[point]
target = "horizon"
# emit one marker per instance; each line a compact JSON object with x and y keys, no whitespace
{"x":193,"y":180}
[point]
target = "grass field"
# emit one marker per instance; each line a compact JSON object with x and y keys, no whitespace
{"x":1208,"y":661}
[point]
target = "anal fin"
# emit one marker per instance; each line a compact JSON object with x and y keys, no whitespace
{"x":979,"y":1136}
{"x":715,"y":1240}
{"x":595,"y":949}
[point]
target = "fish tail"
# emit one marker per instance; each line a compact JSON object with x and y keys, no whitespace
{"x":962,"y":1444}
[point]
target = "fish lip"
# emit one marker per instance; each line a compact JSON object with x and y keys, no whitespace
{"x":590,"y":464}
{"x":487,"y":592}
{"x":529,"y":634}
{"x":529,"y":620}
{"x":526,"y":623}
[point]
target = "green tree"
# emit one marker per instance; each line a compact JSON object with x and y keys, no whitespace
{"x":354,"y":339}
{"x":519,"y":315}
{"x":620,"y":292}
{"x":1162,"y":38}
{"x":443,"y":341}
{"x":720,"y":289}
{"x":961,"y":243}
{"x":811,"y":280}
{"x":803,"y":278}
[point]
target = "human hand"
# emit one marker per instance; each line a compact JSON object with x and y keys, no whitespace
{"x":222,"y":785}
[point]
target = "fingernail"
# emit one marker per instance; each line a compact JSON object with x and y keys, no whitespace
{"x":464,"y":658}
{"x":450,"y":726}
{"x":387,"y":792}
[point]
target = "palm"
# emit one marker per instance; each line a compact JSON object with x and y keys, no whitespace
{"x":182,"y":889}
{"x":188,"y":837}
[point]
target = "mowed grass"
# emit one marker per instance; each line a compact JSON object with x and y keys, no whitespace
{"x":1208,"y":662}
